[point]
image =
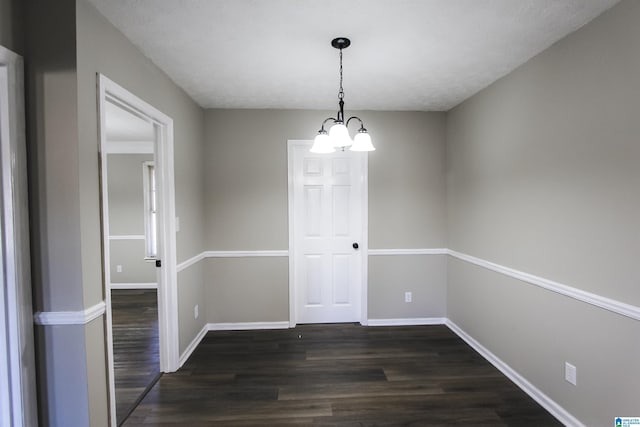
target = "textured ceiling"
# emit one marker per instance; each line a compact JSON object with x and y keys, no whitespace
{"x":427,"y":55}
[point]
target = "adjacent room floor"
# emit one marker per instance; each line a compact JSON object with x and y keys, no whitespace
{"x":337,"y":375}
{"x":135,"y":345}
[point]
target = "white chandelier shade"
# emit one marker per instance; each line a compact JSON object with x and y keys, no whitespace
{"x":339,"y":136}
{"x":362,"y":142}
{"x":322,"y":144}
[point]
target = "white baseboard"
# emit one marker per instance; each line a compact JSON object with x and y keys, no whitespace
{"x":192,"y":346}
{"x":413,"y":321}
{"x":133,"y":286}
{"x":244,"y":326}
{"x":545,"y":401}
{"x":247,"y":326}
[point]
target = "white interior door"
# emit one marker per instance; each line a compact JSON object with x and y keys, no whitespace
{"x":328,"y":234}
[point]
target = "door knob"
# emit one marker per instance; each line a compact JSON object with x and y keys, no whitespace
{"x":355,"y":246}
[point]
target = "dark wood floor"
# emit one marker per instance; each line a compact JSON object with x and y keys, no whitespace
{"x":337,"y":375}
{"x":135,"y":345}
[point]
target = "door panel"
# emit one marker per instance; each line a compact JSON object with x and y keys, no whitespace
{"x":313,"y":210}
{"x":327,"y":220}
{"x":341,"y":279}
{"x":313,"y":295}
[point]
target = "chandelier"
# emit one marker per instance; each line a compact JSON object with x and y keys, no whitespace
{"x":338,"y":136}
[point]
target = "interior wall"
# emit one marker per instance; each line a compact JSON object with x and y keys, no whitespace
{"x":542,"y":177}
{"x":67,"y":43}
{"x":56,"y":256}
{"x":126,"y":193}
{"x":126,"y":218}
{"x":407,"y":210}
{"x":12,"y":25}
{"x":103,"y":49}
{"x":247,"y":205}
{"x":253,"y":289}
{"x":390,"y":276}
{"x":192,"y":294}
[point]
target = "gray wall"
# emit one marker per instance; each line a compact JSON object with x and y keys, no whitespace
{"x":247,"y":290}
{"x":129,"y":254}
{"x":126,"y":217}
{"x":103,"y":49}
{"x":246,"y":205}
{"x":425,"y":276}
{"x":52,"y":123}
{"x":12,"y":25}
{"x":191,"y":293}
{"x":126,"y":193}
{"x":542,"y":176}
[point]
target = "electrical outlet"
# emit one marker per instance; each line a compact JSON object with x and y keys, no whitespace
{"x":570,"y":373}
{"x":408,"y":297}
{"x":119,"y":268}
{"x":195,"y":311}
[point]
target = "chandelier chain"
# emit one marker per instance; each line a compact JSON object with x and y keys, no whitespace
{"x":341,"y":92}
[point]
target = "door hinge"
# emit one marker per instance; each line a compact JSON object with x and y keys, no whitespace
{"x":158,"y":263}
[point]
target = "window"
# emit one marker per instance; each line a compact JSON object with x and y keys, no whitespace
{"x":150,"y":210}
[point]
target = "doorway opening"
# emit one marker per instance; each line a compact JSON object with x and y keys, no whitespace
{"x":138,"y":234}
{"x":328,"y":241}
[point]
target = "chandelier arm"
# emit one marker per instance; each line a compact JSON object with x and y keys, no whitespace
{"x":358,"y":119}
{"x":325,"y":121}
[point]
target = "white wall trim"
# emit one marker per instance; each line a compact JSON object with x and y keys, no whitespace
{"x":545,"y":401}
{"x":127,"y":237}
{"x":48,"y":318}
{"x":430,"y":251}
{"x":133,"y":286}
{"x":612,"y":305}
{"x":231,"y":254}
{"x":247,"y":326}
{"x":188,"y":263}
{"x":415,"y":321}
{"x":600,"y":301}
{"x":193,"y":345}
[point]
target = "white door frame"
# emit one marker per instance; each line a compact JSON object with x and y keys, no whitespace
{"x":18,"y":406}
{"x":292,"y":144}
{"x":109,"y":91}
